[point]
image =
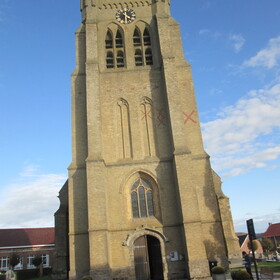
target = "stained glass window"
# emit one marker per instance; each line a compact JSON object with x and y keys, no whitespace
{"x":142,"y":199}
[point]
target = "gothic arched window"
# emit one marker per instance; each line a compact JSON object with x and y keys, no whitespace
{"x":142,"y":199}
{"x":147,"y":37}
{"x":119,"y":39}
{"x":109,"y":40}
{"x":136,"y":37}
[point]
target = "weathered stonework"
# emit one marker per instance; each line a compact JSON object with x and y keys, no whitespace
{"x":140,"y":123}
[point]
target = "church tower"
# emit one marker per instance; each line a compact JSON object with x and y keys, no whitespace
{"x":143,"y":200}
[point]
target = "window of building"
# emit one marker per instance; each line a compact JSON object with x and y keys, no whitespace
{"x":119,"y":39}
{"x":120,"y":59}
{"x":109,"y":40}
{"x":149,"y":57}
{"x":4,"y":263}
{"x":19,"y":265}
{"x":142,"y":199}
{"x":146,"y":37}
{"x":138,"y":58}
{"x":114,"y":45}
{"x":45,"y":260}
{"x":29,"y":261}
{"x":110,"y":60}
{"x":136,"y":38}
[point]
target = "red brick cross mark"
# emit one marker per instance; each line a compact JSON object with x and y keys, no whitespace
{"x":146,"y":115}
{"x":189,"y":117}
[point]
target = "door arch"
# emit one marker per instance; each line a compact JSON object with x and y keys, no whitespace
{"x":148,"y":258}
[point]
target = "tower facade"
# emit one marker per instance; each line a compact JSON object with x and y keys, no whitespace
{"x":143,"y":200}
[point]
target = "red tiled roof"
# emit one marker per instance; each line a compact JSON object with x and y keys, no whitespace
{"x":273,"y":230}
{"x":26,"y":237}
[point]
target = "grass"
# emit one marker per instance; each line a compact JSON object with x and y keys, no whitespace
{"x":274,"y":265}
{"x":48,"y":277}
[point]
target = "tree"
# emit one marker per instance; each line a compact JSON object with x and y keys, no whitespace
{"x":37,"y":262}
{"x":267,"y":245}
{"x":255,"y":245}
{"x":14,"y":260}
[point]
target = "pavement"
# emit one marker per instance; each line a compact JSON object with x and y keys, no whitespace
{"x":276,"y":276}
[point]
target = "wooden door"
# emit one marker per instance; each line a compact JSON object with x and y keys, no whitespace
{"x":147,"y":258}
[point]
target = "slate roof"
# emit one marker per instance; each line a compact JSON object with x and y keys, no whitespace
{"x":241,"y":239}
{"x":26,"y":237}
{"x":273,"y":230}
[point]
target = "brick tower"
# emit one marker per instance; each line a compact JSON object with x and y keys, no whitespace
{"x":143,"y":200}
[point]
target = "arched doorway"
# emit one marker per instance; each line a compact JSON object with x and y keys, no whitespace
{"x":148,"y":258}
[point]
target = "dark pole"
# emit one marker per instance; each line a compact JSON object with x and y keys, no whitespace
{"x":252,"y":236}
{"x":254,"y":259}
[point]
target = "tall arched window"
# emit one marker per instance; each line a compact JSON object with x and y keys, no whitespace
{"x":136,"y":37}
{"x":119,"y":39}
{"x":147,"y":37}
{"x":109,"y":40}
{"x":142,"y":199}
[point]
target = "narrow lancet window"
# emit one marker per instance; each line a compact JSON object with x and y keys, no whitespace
{"x":147,"y":37}
{"x":136,"y":38}
{"x":138,"y":58}
{"x":109,"y":40}
{"x":119,"y":39}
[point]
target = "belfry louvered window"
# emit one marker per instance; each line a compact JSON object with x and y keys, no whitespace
{"x":110,"y":60}
{"x":142,"y":199}
{"x":142,"y":43}
{"x":149,"y":57}
{"x":115,"y":51}
{"x":147,"y":37}
{"x":119,"y":39}
{"x":138,"y":57}
{"x":109,"y":40}
{"x":120,"y":59}
{"x":136,"y":38}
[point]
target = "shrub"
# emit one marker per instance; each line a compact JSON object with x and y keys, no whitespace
{"x":218,"y":270}
{"x":240,"y":275}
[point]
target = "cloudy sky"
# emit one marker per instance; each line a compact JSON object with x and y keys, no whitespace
{"x":233,"y":47}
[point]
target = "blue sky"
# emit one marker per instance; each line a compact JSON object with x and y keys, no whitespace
{"x":233,"y":47}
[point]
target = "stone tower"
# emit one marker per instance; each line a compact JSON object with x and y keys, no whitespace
{"x":143,"y":200}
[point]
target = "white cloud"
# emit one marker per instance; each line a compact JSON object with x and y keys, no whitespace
{"x":238,"y":41}
{"x":260,"y":222}
{"x":209,"y":33}
{"x":244,"y":135}
{"x":32,"y":201}
{"x":267,"y":57}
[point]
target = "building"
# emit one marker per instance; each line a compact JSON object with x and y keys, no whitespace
{"x":143,"y":200}
{"x":273,"y":233}
{"x":244,"y":241}
{"x":26,"y":243}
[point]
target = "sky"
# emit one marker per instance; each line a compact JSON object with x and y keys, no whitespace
{"x":233,"y":47}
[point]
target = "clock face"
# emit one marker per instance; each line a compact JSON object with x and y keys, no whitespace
{"x":125,"y":15}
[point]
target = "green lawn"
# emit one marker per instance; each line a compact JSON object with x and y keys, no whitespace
{"x":48,"y":277}
{"x":274,"y":265}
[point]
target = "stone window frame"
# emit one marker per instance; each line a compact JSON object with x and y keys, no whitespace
{"x":114,"y":45}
